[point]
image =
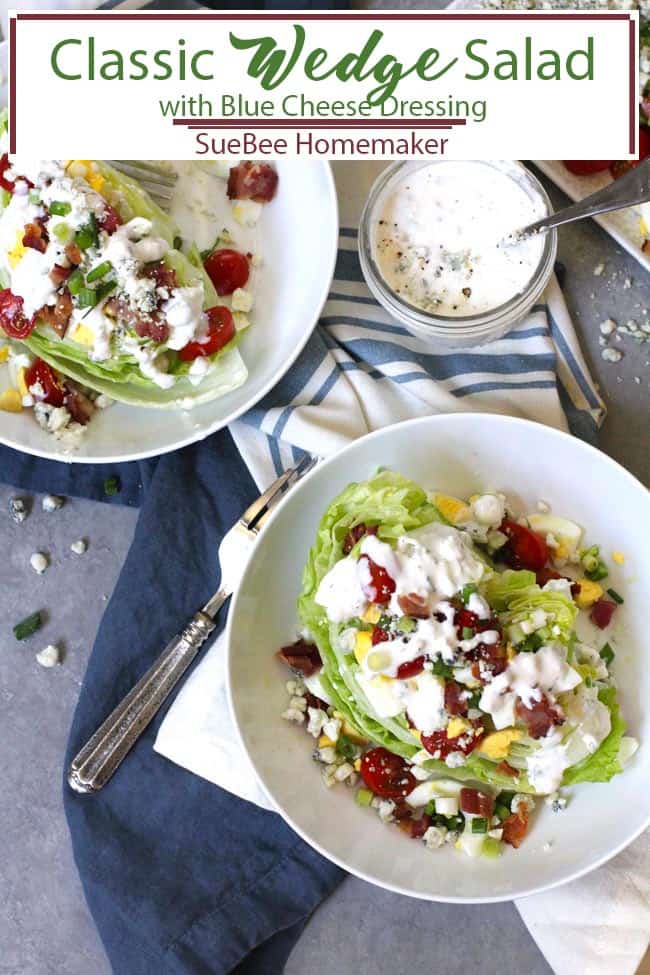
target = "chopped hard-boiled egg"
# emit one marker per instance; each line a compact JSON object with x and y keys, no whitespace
{"x":18,"y":251}
{"x":4,"y":353}
{"x":87,"y":169}
{"x":497,"y":745}
{"x":20,"y":382}
{"x":567,"y":533}
{"x":83,"y":335}
{"x":452,"y":509}
{"x":362,"y":645}
{"x":457,"y":727}
{"x":372,"y":615}
{"x":11,"y":401}
{"x":617,"y":557}
{"x":590,"y":593}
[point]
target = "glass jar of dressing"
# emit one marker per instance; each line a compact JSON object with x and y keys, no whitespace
{"x":436,"y":248}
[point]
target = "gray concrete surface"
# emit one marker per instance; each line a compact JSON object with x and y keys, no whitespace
{"x":45,"y":928}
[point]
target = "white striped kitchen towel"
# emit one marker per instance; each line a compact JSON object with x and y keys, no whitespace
{"x":361,"y":370}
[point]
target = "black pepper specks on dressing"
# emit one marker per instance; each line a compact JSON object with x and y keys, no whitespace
{"x":438,"y":238}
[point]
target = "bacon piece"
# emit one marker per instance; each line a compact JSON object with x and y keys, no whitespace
{"x":540,"y":718}
{"x":476,"y":803}
{"x":301,"y":656}
{"x":111,"y":219}
{"x":356,"y":534}
{"x":602,"y":612}
{"x":35,"y":236}
{"x":73,"y":254}
{"x":506,"y":769}
{"x":415,"y":828}
{"x":59,"y":274}
{"x":515,"y":827}
{"x":57,"y":316}
{"x":78,"y":405}
{"x":315,"y":702}
{"x":252,"y":181}
{"x":152,"y":327}
{"x":165,"y":277}
{"x":455,"y":703}
{"x":413,"y":605}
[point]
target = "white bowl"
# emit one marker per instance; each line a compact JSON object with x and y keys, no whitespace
{"x":298,"y":232}
{"x":460,"y":454}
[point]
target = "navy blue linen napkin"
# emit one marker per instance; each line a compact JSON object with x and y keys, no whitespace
{"x":180,"y":876}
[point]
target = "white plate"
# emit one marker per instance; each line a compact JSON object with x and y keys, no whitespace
{"x":299,"y":234}
{"x":622,"y":225}
{"x":460,"y":454}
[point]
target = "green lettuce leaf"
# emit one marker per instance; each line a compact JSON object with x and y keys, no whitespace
{"x":604,"y":764}
{"x":506,"y":586}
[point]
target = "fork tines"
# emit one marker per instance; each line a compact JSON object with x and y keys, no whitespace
{"x":261,"y":506}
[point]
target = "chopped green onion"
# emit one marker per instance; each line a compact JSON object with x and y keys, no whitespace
{"x":28,"y":626}
{"x":468,"y":633}
{"x":88,"y":236}
{"x":441,"y":669}
{"x":532,"y":643}
{"x":615,"y":596}
{"x":384,"y":622}
{"x":34,"y":197}
{"x":600,"y":572}
{"x":607,"y":654}
{"x":59,"y":209}
{"x":345,"y":747}
{"x":502,"y":812}
{"x":86,"y":297}
{"x":454,"y":823}
{"x":474,"y":699}
{"x":479,"y":824}
{"x":363,"y":797}
{"x":99,"y":272}
{"x":61,"y":231}
{"x":76,"y":282}
{"x":505,"y":798}
{"x":492,"y":848}
{"x":178,"y":243}
{"x":405,"y":624}
{"x":467,"y":591}
{"x":104,"y":289}
{"x":360,"y":624}
{"x":430,"y":808}
{"x":112,"y":485}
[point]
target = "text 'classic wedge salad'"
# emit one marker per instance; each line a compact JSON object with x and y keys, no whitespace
{"x":440,"y":661}
{"x":99,"y":302}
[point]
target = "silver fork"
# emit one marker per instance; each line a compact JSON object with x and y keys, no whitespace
{"x":93,"y":766}
{"x":158,"y":183}
{"x":627,"y":191}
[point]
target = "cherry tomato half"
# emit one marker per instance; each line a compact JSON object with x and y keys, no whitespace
{"x":386,"y":774}
{"x":586,"y":167}
{"x":525,"y":548}
{"x":228,"y":270}
{"x":221,"y":329}
{"x":43,"y":374}
{"x":12,"y":319}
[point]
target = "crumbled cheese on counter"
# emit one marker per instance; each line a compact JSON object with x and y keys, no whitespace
{"x":49,"y":656}
{"x":39,"y":562}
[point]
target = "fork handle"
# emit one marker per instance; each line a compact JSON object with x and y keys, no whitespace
{"x":93,"y":766}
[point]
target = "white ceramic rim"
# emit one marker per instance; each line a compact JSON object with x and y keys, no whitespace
{"x":316,"y":472}
{"x":249,"y":403}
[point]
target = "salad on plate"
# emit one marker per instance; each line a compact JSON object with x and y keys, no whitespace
{"x":454,"y":661}
{"x":101,"y":299}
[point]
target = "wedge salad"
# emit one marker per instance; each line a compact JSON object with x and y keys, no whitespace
{"x":454,"y":661}
{"x":102,"y":300}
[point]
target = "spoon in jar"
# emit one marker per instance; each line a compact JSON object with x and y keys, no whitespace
{"x":628,"y":190}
